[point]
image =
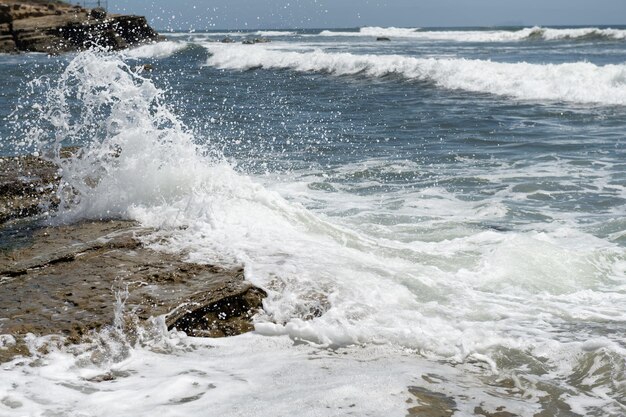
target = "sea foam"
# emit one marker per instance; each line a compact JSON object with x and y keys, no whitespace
{"x":526,"y":34}
{"x":275,"y":33}
{"x":156,"y":50}
{"x":141,"y":163}
{"x":579,"y":82}
{"x":480,"y":296}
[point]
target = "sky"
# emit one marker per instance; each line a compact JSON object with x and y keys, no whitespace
{"x":266,"y":14}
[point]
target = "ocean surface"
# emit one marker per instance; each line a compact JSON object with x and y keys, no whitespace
{"x":444,"y":212}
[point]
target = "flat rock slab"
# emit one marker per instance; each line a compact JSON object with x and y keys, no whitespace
{"x":64,"y":281}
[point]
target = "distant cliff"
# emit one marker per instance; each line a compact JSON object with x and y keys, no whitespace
{"x":54,"y":27}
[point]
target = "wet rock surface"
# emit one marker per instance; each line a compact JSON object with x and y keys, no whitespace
{"x":27,"y":186}
{"x":431,"y":404}
{"x":54,"y":27}
{"x":64,"y":281}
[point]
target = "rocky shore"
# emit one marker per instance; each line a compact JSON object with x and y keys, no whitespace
{"x":55,"y":27}
{"x":68,"y":280}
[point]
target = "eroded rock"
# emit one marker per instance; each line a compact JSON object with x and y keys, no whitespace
{"x":64,"y":280}
{"x":54,"y":27}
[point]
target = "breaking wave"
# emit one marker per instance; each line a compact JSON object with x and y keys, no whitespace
{"x":533,"y":33}
{"x":274,"y":33}
{"x":156,"y":50}
{"x":375,"y":31}
{"x":579,"y":82}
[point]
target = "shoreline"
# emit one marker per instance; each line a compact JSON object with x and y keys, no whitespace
{"x":67,"y":280}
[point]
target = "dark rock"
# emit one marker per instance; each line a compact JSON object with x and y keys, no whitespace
{"x":382,"y":38}
{"x":227,"y":40}
{"x":7,"y":43}
{"x":5,"y":14}
{"x":255,"y":40}
{"x":227,"y":310}
{"x":98,"y":13}
{"x":63,"y":281}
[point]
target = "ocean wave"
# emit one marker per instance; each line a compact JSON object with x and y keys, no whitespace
{"x":579,"y":82}
{"x":533,"y":33}
{"x":580,"y":33}
{"x":460,"y":299}
{"x":156,"y":50}
{"x":274,"y":33}
{"x":375,"y":31}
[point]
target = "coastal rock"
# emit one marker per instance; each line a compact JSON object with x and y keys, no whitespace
{"x":27,"y":187}
{"x":254,"y":41}
{"x":58,"y":27}
{"x":66,"y":280}
{"x":431,"y":404}
{"x":98,"y":13}
{"x":7,"y":43}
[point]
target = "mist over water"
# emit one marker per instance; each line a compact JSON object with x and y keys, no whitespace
{"x":448,"y":206}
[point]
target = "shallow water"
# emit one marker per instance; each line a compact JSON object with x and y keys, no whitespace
{"x":443,"y":211}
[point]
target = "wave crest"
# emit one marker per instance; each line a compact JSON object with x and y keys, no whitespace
{"x":533,"y":33}
{"x":274,"y":33}
{"x":579,"y":82}
{"x":156,"y":50}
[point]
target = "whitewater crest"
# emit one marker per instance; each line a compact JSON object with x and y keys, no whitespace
{"x":132,"y":147}
{"x":156,"y":50}
{"x":579,"y":82}
{"x":525,"y":34}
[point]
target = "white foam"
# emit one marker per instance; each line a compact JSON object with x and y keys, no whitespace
{"x":375,"y":32}
{"x":270,"y":33}
{"x":148,"y":168}
{"x":458,"y":297}
{"x":533,"y":33}
{"x":580,"y":33}
{"x":155,"y":50}
{"x":248,"y":375}
{"x":581,"y":82}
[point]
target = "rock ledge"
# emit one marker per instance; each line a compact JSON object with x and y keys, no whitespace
{"x":55,"y":27}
